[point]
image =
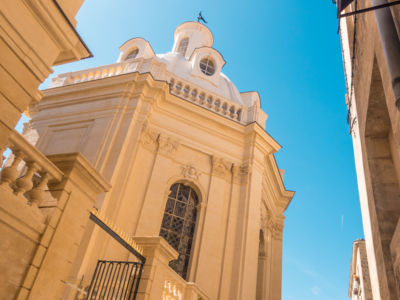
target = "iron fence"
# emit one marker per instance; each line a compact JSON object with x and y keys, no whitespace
{"x":115,"y":280}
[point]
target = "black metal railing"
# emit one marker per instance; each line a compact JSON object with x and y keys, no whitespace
{"x":115,"y":280}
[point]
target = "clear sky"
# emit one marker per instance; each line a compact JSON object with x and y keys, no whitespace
{"x":289,"y":52}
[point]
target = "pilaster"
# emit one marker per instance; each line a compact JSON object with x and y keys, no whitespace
{"x":230,"y":271}
{"x":153,"y":205}
{"x":275,"y":226}
{"x":210,"y":259}
{"x":251,"y":195}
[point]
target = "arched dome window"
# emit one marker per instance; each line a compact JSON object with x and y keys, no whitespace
{"x":132,"y":54}
{"x":207,"y":66}
{"x":178,"y":224}
{"x":183,"y":46}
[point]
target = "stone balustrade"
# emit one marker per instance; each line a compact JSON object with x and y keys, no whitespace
{"x":172,"y":291}
{"x":159,"y":280}
{"x":38,"y":170}
{"x":206,"y":99}
{"x":176,"y":288}
{"x":178,"y":87}
{"x":89,"y":74}
{"x":133,"y":65}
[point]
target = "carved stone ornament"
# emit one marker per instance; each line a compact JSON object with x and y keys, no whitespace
{"x":149,"y":139}
{"x":275,"y":226}
{"x":190,"y":172}
{"x":221,"y":167}
{"x":167,"y":145}
{"x":240,"y":173}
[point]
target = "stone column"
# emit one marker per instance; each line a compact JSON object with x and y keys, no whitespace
{"x":59,"y":244}
{"x":275,"y":227}
{"x":210,"y":254}
{"x":158,"y":254}
{"x":150,"y":218}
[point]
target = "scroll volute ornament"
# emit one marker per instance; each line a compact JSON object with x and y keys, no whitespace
{"x":167,"y":145}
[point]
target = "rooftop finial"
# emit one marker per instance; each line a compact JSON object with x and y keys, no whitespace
{"x":200,"y":18}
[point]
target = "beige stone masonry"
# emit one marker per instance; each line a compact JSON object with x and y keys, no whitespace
{"x":35,"y":35}
{"x":76,"y":193}
{"x":158,"y":280}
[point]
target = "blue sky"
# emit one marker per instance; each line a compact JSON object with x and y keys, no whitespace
{"x":290,"y":53}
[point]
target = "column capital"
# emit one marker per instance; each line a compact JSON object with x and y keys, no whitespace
{"x":240,"y":173}
{"x":275,"y":225}
{"x":220,"y":167}
{"x":149,"y":138}
{"x":167,"y":145}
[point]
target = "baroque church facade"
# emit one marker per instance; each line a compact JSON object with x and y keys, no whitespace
{"x":176,"y":163}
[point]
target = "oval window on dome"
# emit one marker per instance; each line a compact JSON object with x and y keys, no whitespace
{"x":132,"y":54}
{"x":207,"y":66}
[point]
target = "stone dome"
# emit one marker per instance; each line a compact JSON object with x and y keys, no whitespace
{"x":193,"y":44}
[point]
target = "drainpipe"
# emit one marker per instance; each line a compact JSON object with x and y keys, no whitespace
{"x":391,"y":45}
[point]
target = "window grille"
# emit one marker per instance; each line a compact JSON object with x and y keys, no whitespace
{"x":207,"y":66}
{"x":178,"y":224}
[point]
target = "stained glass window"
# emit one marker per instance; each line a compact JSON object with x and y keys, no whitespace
{"x":178,"y":224}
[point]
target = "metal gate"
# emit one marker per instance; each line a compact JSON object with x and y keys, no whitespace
{"x":114,"y":280}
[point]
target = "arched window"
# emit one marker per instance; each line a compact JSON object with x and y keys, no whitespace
{"x":183,"y":46}
{"x":132,"y":54}
{"x":178,"y":224}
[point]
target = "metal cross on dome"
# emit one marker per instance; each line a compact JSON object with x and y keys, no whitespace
{"x":200,"y":18}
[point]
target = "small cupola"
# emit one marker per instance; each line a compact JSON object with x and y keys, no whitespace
{"x":135,"y":48}
{"x":189,"y":36}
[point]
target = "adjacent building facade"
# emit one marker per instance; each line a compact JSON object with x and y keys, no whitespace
{"x":34,"y":36}
{"x":359,"y":283}
{"x":371,"y":55}
{"x":172,"y":157}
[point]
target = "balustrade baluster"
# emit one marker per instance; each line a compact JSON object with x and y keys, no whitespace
{"x":37,"y":194}
{"x":25,"y":183}
{"x":9,"y":174}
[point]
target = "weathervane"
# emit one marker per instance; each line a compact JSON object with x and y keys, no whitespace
{"x":200,"y":18}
